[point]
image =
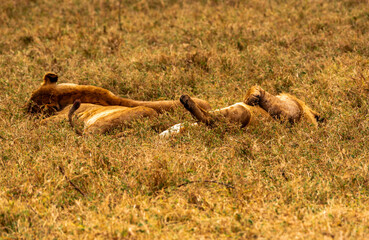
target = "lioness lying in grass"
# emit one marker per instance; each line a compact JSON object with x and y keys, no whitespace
{"x":99,"y":109}
{"x":284,"y":107}
{"x":238,"y":113}
{"x":257,"y":106}
{"x":52,"y":97}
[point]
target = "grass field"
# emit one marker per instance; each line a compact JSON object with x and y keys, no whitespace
{"x":289,"y":181}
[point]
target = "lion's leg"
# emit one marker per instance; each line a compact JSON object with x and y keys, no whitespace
{"x":196,"y":111}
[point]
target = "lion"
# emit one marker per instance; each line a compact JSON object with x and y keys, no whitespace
{"x":99,"y":119}
{"x":258,"y":105}
{"x":284,"y":107}
{"x":238,"y":113}
{"x":52,"y":97}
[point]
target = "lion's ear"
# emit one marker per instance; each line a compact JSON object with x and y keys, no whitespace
{"x":50,"y":78}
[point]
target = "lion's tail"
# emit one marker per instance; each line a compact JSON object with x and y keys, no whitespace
{"x":76,"y":105}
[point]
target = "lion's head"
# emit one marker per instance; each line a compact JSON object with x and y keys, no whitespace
{"x":43,"y":100}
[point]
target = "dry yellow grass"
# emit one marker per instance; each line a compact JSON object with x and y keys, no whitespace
{"x":290,"y":181}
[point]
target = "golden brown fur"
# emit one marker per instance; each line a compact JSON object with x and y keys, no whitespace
{"x":100,"y":119}
{"x":258,"y":106}
{"x":238,"y":113}
{"x":283,"y":106}
{"x":52,"y":97}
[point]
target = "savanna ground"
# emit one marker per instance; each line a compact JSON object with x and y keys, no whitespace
{"x":289,"y":181}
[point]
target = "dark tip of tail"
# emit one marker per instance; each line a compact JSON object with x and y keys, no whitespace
{"x":320,"y":118}
{"x":76,"y":105}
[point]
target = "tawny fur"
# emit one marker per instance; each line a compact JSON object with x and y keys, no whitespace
{"x":238,"y":113}
{"x":283,"y":106}
{"x":100,"y":119}
{"x":52,"y":97}
{"x":258,"y":106}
